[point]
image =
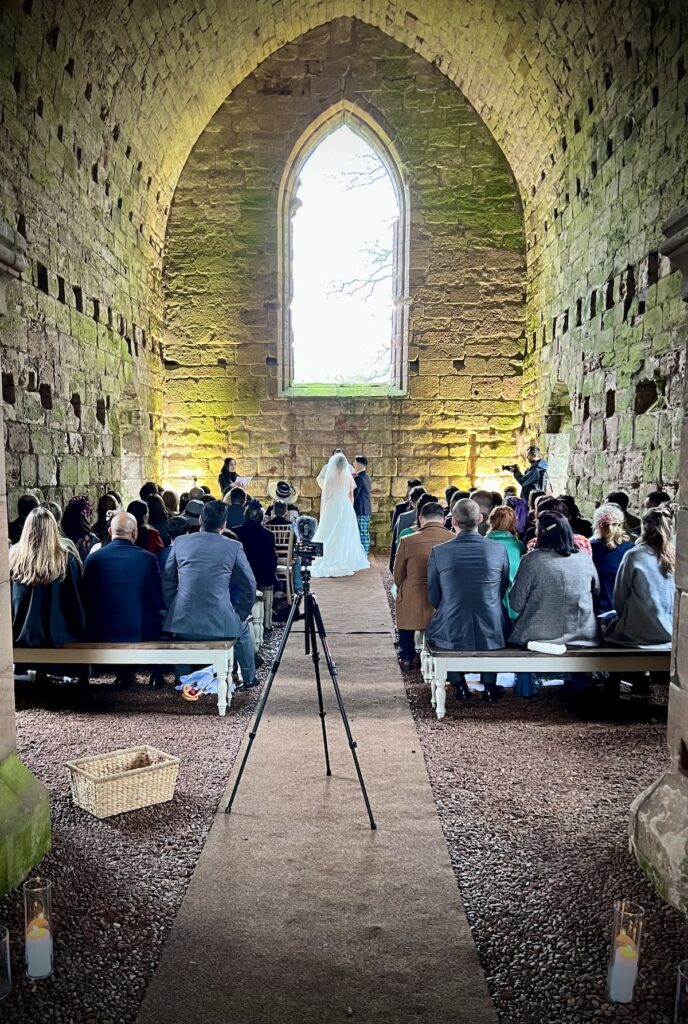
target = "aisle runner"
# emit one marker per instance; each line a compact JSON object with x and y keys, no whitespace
{"x":297,"y":913}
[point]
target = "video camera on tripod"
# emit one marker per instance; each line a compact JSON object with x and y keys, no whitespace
{"x":306,"y":549}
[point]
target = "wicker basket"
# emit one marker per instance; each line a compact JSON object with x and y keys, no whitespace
{"x":123,"y":780}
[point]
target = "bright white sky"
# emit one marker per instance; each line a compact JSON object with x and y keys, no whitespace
{"x":342,"y":337}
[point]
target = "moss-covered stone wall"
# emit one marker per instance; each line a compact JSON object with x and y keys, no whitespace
{"x":605,"y":322}
{"x":80,"y":345}
{"x":459,"y":420}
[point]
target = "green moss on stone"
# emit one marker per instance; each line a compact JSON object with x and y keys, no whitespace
{"x":24,"y":822}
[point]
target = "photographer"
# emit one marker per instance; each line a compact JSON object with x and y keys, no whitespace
{"x":535,"y":477}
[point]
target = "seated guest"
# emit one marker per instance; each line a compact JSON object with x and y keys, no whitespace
{"x":46,"y":605}
{"x":424,"y":500}
{"x":483,"y":500}
{"x":122,"y":588}
{"x":510,"y":492}
{"x":497,"y":499}
{"x":170,"y":502}
{"x":502,"y":528}
{"x":158,"y":517}
{"x":283,"y":491}
{"x":259,"y":546}
{"x":75,"y":525}
{"x":235,"y":499}
{"x":147,"y":536}
{"x":406,"y":519}
{"x":549,"y":504}
{"x":177,"y":526}
{"x":26,"y":504}
{"x":555,"y":589}
{"x":183,"y":502}
{"x":655,"y":499}
{"x":228,"y":475}
{"x":621,"y":499}
{"x":148,"y":488}
{"x":66,"y":543}
{"x":107,"y":506}
{"x":404,"y":506}
{"x":609,"y":545}
{"x":279,"y":515}
{"x":196,"y":494}
{"x":645,"y":586}
{"x":209,"y":589}
{"x":413,"y":609}
{"x":118,"y":498}
{"x":457,"y":496}
{"x":580,"y":526}
{"x":449,"y":493}
{"x":192,"y":514}
{"x":467,"y":580}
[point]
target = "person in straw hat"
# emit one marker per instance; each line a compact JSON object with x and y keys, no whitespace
{"x":282,"y":490}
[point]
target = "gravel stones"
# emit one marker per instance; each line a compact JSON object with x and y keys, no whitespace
{"x":533,"y":798}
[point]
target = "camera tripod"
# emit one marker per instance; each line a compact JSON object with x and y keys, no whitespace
{"x":313,"y":621}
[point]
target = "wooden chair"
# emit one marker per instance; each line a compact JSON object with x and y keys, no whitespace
{"x":284,"y":545}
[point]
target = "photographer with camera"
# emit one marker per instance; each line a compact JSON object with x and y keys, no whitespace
{"x":535,"y":477}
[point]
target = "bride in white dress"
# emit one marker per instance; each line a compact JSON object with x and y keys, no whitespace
{"x":338,"y":527}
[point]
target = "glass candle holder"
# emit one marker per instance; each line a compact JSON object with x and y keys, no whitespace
{"x":681,"y":1005}
{"x":625,"y":951}
{"x":5,"y":969}
{"x":38,"y":928}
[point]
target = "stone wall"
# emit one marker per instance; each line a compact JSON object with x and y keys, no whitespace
{"x":459,"y":420}
{"x":80,"y":345}
{"x":604,"y":313}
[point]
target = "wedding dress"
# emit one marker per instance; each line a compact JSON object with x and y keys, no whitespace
{"x":338,"y":527}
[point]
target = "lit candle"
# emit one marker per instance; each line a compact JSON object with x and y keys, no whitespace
{"x":39,"y":948}
{"x":623,"y":969}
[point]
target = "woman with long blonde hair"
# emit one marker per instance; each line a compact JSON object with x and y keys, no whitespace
{"x":609,"y":545}
{"x":644,"y":589}
{"x":46,"y":606}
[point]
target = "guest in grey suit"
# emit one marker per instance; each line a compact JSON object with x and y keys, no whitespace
{"x":467,"y":579}
{"x":209,"y":589}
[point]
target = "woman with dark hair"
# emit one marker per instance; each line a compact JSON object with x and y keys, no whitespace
{"x":183,"y":502}
{"x":106,"y":508}
{"x":157,"y":517}
{"x":148,"y":537}
{"x":578,"y":524}
{"x":46,"y":607}
{"x":75,"y":525}
{"x":645,"y":587}
{"x":228,"y":475}
{"x":549,"y":504}
{"x":555,"y":589}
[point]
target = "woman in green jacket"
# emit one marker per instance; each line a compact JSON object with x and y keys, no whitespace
{"x":502,"y":523}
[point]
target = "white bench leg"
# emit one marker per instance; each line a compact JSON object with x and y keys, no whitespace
{"x":224,"y":683}
{"x":439,"y":677}
{"x":268,"y":594}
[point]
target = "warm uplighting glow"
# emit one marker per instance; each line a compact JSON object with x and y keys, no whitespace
{"x":342,"y":272}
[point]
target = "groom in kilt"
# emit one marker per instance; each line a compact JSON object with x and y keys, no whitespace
{"x":362,"y":506}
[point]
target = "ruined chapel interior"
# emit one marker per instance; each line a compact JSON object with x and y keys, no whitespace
{"x":540,"y":155}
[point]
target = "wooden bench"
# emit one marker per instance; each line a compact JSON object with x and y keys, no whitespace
{"x":435,"y":664}
{"x":218,"y":653}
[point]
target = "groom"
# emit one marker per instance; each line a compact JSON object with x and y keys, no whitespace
{"x":362,"y":505}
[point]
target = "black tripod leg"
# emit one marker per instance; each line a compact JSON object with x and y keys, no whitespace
{"x":332,"y":669}
{"x":264,"y":698}
{"x":315,"y":655}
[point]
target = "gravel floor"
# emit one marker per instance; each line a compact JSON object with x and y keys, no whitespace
{"x":118,"y":882}
{"x":533,"y":799}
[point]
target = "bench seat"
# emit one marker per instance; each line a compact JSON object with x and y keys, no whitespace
{"x":218,"y":653}
{"x":436,"y":663}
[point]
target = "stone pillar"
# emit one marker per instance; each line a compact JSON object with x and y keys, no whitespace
{"x":659,"y":816}
{"x":24,"y":802}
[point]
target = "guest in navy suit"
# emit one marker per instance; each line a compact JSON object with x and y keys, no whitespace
{"x":122,"y":591}
{"x":467,"y":580}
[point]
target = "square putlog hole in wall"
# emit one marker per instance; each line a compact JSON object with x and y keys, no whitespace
{"x":46,"y":394}
{"x":610,"y":403}
{"x":9,"y":390}
{"x":647,"y":395}
{"x":75,"y":402}
{"x":101,"y":413}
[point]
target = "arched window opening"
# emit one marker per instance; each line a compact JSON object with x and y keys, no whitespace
{"x":343,"y":262}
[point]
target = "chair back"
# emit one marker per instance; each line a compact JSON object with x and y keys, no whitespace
{"x":284,"y":542}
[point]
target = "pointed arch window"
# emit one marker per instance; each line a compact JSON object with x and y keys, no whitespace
{"x":343,"y":261}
